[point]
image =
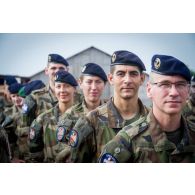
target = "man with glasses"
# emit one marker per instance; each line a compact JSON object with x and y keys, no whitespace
{"x":163,"y":135}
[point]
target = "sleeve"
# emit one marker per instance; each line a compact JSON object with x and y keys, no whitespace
{"x":118,"y":150}
{"x":36,"y":144}
{"x":81,"y":140}
{"x":28,"y":111}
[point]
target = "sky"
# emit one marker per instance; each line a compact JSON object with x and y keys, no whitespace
{"x":25,"y":54}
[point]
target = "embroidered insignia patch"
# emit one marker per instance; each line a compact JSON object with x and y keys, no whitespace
{"x":32,"y":134}
{"x":73,"y":138}
{"x":113,"y":58}
{"x":60,"y":133}
{"x":107,"y":158}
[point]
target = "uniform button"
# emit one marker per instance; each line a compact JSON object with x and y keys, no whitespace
{"x":117,"y":150}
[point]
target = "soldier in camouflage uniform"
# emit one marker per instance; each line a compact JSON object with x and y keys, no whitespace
{"x":91,"y":133}
{"x":5,"y":151}
{"x":14,"y":113}
{"x":46,"y":140}
{"x":92,"y":83}
{"x":163,"y":135}
{"x":44,"y":99}
{"x":189,"y":109}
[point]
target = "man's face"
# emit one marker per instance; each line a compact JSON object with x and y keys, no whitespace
{"x":168,"y":93}
{"x":126,"y":81}
{"x":17,"y":100}
{"x":64,"y":92}
{"x":92,"y":87}
{"x":52,"y":68}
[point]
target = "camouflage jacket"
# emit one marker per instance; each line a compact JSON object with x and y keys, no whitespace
{"x":189,"y":111}
{"x":5,"y":150}
{"x":46,"y":140}
{"x":144,"y":141}
{"x":69,"y":119}
{"x":91,"y":133}
{"x":40,"y":101}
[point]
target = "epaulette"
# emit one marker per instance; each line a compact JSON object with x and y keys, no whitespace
{"x":136,"y":128}
{"x":40,"y":91}
{"x":101,"y":110}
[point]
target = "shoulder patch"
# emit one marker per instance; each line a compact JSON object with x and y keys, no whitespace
{"x":60,"y":133}
{"x":73,"y":138}
{"x":107,"y":158}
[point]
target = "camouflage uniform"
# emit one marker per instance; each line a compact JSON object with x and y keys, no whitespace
{"x":189,"y":111}
{"x":144,"y":141}
{"x":45,"y":140}
{"x":38,"y":102}
{"x":9,"y":124}
{"x":90,"y":134}
{"x":69,"y":119}
{"x":5,"y":151}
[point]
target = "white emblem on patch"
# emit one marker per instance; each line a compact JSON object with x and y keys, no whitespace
{"x":32,"y":134}
{"x":60,"y":133}
{"x":113,"y":58}
{"x":24,"y":108}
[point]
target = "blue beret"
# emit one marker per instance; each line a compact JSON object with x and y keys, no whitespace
{"x":94,"y":70}
{"x":123,"y":57}
{"x":65,"y":77}
{"x":14,"y":88}
{"x":10,"y":80}
{"x":29,"y":87}
{"x":168,"y":65}
{"x":57,"y":59}
{"x":1,"y":81}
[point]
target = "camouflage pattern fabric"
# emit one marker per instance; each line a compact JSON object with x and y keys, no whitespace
{"x":69,"y":119}
{"x":91,"y":133}
{"x":145,"y":142}
{"x":46,"y":140}
{"x":5,"y":150}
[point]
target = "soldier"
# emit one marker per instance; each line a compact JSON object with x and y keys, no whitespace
{"x":5,"y":151}
{"x":91,"y":133}
{"x":43,"y":132}
{"x":14,"y":113}
{"x":163,"y":135}
{"x":92,"y":83}
{"x":189,"y":109}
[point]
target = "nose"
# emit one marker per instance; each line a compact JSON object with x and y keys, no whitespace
{"x":127,"y":78}
{"x":93,"y":86}
{"x":173,"y":90}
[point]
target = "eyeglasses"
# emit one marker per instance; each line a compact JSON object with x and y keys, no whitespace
{"x":165,"y":85}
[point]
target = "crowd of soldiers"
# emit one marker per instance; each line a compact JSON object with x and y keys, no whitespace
{"x":56,"y":123}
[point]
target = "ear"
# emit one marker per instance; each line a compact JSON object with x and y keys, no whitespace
{"x":80,"y":83}
{"x":142,"y":78}
{"x":110,"y":78}
{"x":149,"y":90}
{"x":46,"y":71}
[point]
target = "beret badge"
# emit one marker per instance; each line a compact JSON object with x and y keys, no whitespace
{"x":157,"y":63}
{"x":113,"y":58}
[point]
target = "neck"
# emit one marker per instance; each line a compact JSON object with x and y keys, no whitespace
{"x":51,"y":85}
{"x":92,"y":105}
{"x":127,"y":107}
{"x":64,"y":106}
{"x":167,"y":122}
